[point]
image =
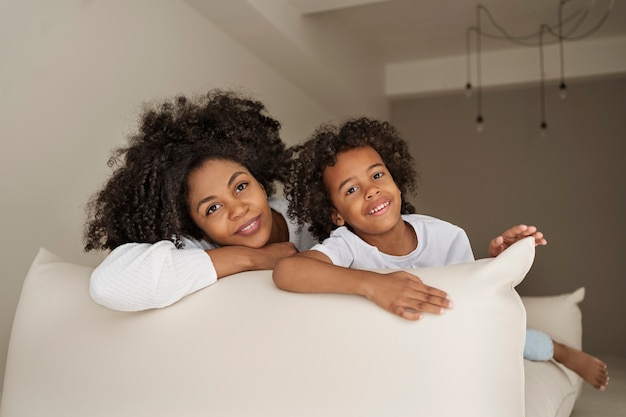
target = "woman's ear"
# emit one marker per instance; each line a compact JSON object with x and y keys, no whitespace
{"x":336,"y":218}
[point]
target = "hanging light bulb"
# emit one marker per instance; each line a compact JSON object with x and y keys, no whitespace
{"x":563,"y":90}
{"x":468,"y":69}
{"x":562,"y":86}
{"x":564,"y":30}
{"x":479,"y":124}
{"x":544,"y":125}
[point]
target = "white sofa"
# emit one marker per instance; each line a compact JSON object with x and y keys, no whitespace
{"x":244,"y":348}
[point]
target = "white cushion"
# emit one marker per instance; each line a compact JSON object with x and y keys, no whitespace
{"x":551,"y":388}
{"x":244,"y":348}
{"x":557,"y":315}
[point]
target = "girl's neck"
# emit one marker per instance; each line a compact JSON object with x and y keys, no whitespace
{"x":399,"y":241}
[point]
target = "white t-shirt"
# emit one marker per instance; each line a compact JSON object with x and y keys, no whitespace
{"x":439,"y":243}
{"x":140,"y":276}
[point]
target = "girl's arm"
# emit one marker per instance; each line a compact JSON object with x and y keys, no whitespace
{"x":398,"y":292}
{"x":140,"y":276}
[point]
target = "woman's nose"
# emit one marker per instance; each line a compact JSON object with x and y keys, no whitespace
{"x":238,"y":209}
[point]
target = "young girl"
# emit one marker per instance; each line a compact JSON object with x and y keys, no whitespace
{"x":187,"y":203}
{"x":350,"y":184}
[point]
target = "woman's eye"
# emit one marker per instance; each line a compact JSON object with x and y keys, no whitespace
{"x":241,"y":187}
{"x":212,"y":208}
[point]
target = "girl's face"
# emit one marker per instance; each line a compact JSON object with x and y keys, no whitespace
{"x":363,"y":193}
{"x":229,"y":205}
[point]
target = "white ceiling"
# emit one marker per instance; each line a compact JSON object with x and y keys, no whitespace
{"x":410,"y":30}
{"x":388,"y":48}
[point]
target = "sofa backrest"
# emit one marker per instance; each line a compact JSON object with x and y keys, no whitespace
{"x":242,"y":347}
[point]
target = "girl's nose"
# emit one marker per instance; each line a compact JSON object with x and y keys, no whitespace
{"x":372,"y":192}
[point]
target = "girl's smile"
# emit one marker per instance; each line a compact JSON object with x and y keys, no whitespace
{"x":379,"y":209}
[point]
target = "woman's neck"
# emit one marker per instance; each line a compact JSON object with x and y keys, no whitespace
{"x":280,"y":231}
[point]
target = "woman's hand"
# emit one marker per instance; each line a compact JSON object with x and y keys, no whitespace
{"x":229,"y":260}
{"x":269,"y":255}
{"x":512,"y":235}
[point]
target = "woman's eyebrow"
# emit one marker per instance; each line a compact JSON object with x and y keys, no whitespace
{"x":204,"y":200}
{"x":234,"y":177}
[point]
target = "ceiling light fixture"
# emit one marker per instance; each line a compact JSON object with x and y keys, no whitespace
{"x":565,"y":29}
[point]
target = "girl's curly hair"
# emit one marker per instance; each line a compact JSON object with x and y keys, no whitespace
{"x":145,"y":200}
{"x":308,"y":198}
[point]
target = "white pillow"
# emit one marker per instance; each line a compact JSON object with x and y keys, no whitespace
{"x":557,"y":315}
{"x":551,"y":388}
{"x":242,"y":347}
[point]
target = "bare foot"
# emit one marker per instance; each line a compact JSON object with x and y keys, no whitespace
{"x":590,"y":368}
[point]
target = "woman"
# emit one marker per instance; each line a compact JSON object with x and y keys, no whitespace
{"x":188,"y":202}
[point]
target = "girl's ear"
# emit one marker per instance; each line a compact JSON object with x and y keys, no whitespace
{"x":336,"y":218}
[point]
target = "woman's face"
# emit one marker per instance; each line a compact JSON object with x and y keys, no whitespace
{"x":229,"y":205}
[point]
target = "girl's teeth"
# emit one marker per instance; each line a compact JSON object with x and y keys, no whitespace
{"x":382,"y":206}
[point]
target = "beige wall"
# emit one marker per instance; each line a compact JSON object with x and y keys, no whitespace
{"x":572,"y":184}
{"x":73,"y":74}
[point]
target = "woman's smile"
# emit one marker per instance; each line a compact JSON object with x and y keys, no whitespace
{"x":250,"y":227}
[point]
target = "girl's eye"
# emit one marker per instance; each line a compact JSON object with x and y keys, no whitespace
{"x":378,"y":175}
{"x":212,"y":209}
{"x":351,"y":190}
{"x":240,"y":187}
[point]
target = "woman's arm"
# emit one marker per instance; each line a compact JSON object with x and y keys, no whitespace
{"x":140,"y":276}
{"x":398,"y":292}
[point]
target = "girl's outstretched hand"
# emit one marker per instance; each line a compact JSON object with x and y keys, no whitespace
{"x":512,"y":235}
{"x":405,"y":295}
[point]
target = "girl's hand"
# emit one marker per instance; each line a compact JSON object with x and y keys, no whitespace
{"x":512,"y":235}
{"x":405,"y":295}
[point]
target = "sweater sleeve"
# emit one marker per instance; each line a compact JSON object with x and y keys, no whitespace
{"x":140,"y":276}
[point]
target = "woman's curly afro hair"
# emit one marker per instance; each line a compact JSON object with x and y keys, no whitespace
{"x":145,"y":200}
{"x":308,"y":198}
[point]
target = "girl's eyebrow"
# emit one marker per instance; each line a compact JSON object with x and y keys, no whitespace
{"x":211,"y":197}
{"x":376,"y":165}
{"x":344,"y":182}
{"x":347,"y":180}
